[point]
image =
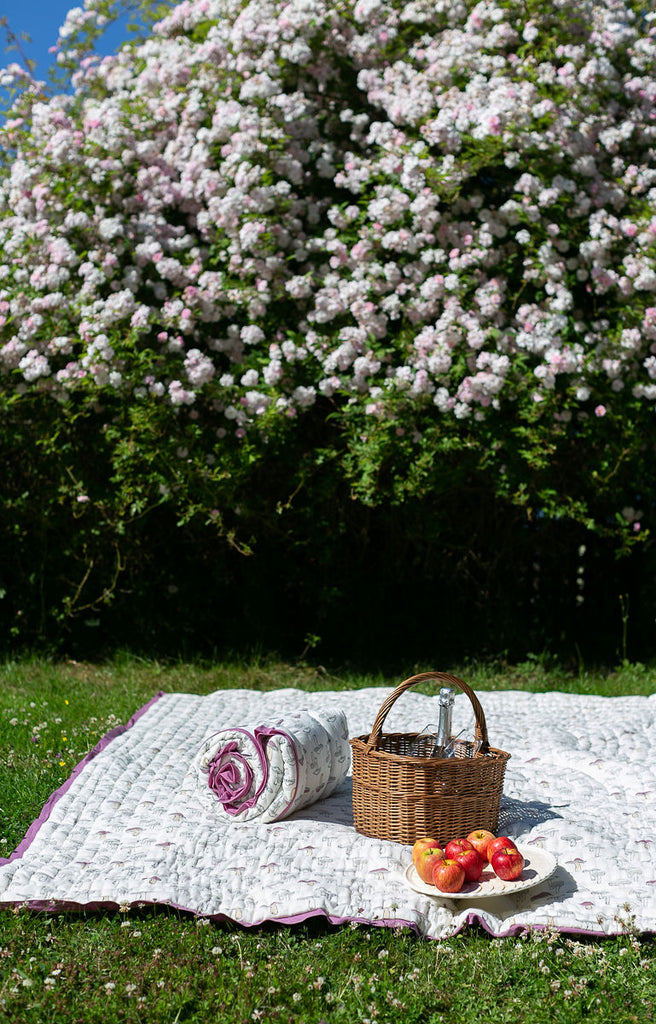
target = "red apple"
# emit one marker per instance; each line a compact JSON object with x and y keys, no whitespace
{"x":507,"y":863}
{"x":473,"y":864}
{"x":423,"y":844}
{"x":448,"y":875}
{"x":500,"y":843}
{"x":480,"y":838}
{"x":426,"y":861}
{"x":457,"y":846}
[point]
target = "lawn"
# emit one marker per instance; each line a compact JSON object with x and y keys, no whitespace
{"x":156,"y":964}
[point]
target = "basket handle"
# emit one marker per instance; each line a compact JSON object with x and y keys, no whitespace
{"x":448,"y":680}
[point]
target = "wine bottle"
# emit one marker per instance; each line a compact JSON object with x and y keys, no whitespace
{"x":445,"y":723}
{"x":433,"y":739}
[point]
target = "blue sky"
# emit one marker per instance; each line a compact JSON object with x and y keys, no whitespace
{"x":41,"y":19}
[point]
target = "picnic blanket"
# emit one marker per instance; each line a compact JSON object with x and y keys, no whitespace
{"x":127,"y":827}
{"x":270,"y":769}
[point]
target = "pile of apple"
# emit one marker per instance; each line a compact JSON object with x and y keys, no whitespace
{"x":463,"y":860}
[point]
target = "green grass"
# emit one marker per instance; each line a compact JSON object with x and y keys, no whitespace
{"x":153,"y":964}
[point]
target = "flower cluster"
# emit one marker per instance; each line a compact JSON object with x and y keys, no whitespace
{"x":419,"y":213}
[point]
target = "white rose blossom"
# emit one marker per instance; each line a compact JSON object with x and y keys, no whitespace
{"x":217,"y":218}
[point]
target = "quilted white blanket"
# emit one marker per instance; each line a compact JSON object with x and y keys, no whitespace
{"x":271,"y":769}
{"x":127,"y":826}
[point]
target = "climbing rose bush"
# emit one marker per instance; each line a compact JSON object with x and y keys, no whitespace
{"x":407,"y":231}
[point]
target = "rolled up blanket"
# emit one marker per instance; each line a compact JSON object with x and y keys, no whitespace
{"x":267,"y":771}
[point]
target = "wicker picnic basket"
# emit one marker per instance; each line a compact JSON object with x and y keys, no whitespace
{"x":401,"y":796}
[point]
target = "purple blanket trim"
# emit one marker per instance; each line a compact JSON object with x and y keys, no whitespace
{"x":54,"y":797}
{"x":226,"y":781}
{"x":62,"y":906}
{"x":223,"y":777}
{"x":264,"y":731}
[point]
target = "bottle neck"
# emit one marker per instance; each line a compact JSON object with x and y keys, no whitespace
{"x":444,"y":728}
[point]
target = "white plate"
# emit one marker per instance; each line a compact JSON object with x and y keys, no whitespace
{"x":538,"y":866}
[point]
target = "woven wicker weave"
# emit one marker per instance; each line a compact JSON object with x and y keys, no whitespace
{"x":400,"y":796}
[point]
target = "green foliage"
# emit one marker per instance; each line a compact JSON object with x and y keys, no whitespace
{"x":127,"y":518}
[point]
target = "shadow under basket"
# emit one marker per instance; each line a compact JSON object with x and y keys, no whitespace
{"x":400,"y":796}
